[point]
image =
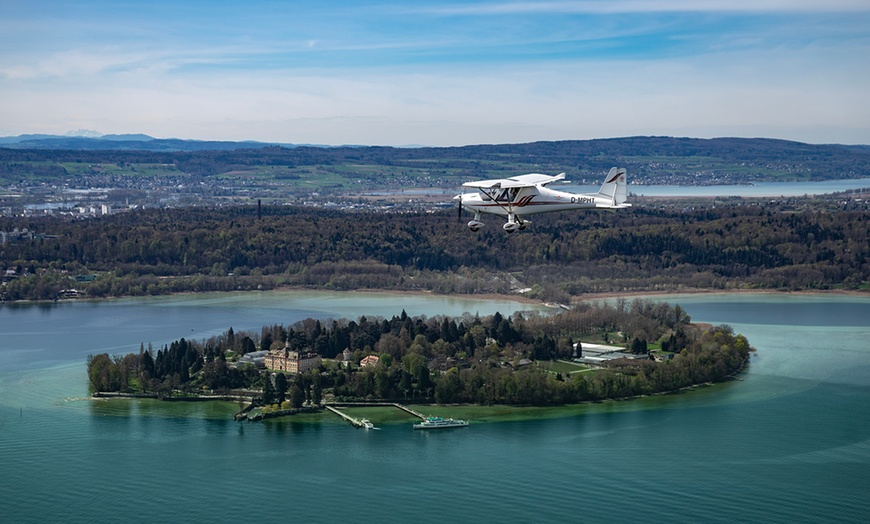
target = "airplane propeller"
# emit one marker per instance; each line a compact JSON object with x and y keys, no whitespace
{"x":459,"y":208}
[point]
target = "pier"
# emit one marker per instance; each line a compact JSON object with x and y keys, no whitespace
{"x":409,"y":410}
{"x":354,"y":422}
{"x":359,"y":423}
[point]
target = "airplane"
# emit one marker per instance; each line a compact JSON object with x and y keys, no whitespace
{"x":522,"y":195}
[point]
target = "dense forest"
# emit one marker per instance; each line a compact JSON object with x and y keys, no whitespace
{"x":561,"y":255}
{"x":446,"y":360}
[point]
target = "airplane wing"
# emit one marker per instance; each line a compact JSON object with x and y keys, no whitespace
{"x":532,"y":179}
{"x":536,"y":179}
{"x":491,"y":184}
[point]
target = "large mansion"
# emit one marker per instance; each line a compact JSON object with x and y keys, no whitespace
{"x":290,"y":361}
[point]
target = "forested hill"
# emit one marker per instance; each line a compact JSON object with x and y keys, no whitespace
{"x":561,"y":254}
{"x":649,"y":159}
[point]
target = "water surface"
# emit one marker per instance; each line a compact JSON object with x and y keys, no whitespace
{"x":790,"y":442}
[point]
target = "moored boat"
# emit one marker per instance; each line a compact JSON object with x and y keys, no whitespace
{"x":440,"y":423}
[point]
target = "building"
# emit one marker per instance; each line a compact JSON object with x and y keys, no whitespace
{"x":285,"y":359}
{"x":345,"y":358}
{"x":257,"y":358}
{"x":16,"y":235}
{"x":371,"y":360}
{"x":598,"y":354}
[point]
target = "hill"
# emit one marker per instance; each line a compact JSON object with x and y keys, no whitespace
{"x":650,"y":160}
{"x":158,"y":251}
{"x":126,"y":142}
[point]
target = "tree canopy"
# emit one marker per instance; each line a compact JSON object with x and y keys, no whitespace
{"x":562,"y":254}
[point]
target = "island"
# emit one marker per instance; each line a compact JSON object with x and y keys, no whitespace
{"x":591,"y":352}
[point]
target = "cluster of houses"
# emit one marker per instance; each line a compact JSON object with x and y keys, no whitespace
{"x":20,"y":235}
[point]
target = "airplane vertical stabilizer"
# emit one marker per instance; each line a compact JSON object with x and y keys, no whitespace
{"x":615,"y":187}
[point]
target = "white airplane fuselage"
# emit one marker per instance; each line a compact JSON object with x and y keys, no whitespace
{"x":529,"y":201}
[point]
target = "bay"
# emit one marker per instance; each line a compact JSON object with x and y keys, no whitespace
{"x":788,"y":442}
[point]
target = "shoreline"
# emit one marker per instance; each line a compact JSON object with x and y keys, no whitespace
{"x":476,"y":413}
{"x":605,"y":295}
{"x":701,"y":291}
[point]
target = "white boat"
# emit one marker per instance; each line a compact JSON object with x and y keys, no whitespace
{"x":367,"y":424}
{"x":440,"y":423}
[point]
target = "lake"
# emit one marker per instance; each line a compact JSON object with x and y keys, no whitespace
{"x":754,"y":190}
{"x":788,"y":442}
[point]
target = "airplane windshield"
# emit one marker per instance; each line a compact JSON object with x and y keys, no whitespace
{"x":508,"y":195}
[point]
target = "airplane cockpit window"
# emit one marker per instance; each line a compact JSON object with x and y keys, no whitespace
{"x":508,"y":195}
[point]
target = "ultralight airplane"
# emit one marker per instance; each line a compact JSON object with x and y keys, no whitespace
{"x":522,"y":195}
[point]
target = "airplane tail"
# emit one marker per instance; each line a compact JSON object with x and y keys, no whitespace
{"x":615,"y":188}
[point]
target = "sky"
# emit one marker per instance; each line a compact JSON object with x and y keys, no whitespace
{"x":446,"y":73}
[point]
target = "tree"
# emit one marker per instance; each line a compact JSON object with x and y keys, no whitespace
{"x":296,"y":395}
{"x":316,"y":387}
{"x":266,"y":342}
{"x":248,"y":345}
{"x":146,"y":370}
{"x":638,"y":346}
{"x":281,"y":387}
{"x":103,"y":373}
{"x":448,"y":387}
{"x":423,"y":381}
{"x":231,"y":338}
{"x":405,"y":383}
{"x":268,"y":391}
{"x":382,"y":382}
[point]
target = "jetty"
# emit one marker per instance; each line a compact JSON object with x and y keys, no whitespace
{"x":354,"y":422}
{"x":409,"y":410}
{"x":362,"y":423}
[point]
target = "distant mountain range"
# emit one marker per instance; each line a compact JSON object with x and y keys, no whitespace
{"x":83,"y":140}
{"x":87,"y":140}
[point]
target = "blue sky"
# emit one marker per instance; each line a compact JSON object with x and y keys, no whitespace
{"x":437,"y":73}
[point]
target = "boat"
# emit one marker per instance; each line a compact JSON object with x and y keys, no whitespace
{"x":440,"y":423}
{"x":367,"y":424}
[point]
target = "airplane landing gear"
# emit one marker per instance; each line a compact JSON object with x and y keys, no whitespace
{"x":512,"y":223}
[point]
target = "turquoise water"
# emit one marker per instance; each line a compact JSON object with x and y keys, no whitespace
{"x":788,"y":443}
